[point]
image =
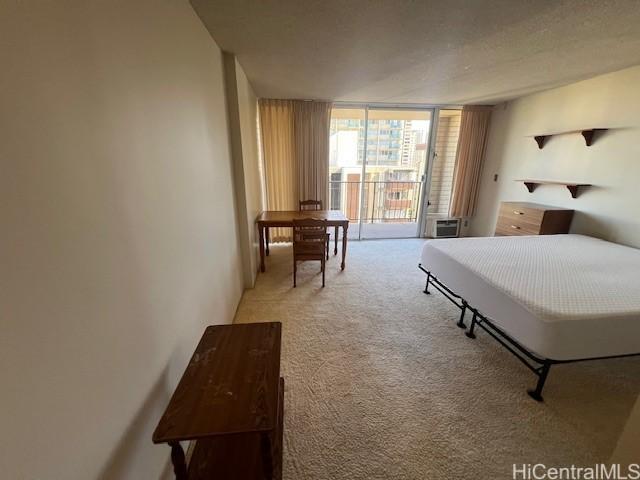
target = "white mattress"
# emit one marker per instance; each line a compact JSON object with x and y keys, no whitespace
{"x":563,"y":297}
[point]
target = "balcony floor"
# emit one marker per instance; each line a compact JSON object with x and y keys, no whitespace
{"x":384,"y":230}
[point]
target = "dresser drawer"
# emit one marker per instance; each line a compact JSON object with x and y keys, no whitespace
{"x":508,"y":226}
{"x":520,"y":218}
{"x":521,"y":213}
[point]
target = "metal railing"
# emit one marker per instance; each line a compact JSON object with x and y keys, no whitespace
{"x":382,"y":201}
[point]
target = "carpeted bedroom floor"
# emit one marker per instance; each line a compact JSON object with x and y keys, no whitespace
{"x":380,"y":383}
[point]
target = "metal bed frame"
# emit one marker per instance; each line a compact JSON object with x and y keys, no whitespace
{"x":539,"y":366}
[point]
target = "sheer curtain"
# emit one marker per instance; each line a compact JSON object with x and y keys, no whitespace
{"x":472,"y":143}
{"x":295,"y":151}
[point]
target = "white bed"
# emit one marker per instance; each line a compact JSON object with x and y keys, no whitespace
{"x":563,"y":297}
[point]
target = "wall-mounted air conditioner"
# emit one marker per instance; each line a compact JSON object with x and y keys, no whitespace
{"x":443,"y":227}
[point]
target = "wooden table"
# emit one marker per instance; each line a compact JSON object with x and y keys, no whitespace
{"x":230,"y":400}
{"x":272,"y":218}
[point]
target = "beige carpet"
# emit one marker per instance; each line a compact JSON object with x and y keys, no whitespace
{"x":380,"y":383}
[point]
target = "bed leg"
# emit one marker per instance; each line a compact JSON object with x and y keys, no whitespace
{"x":426,"y":287}
{"x":542,"y":378}
{"x":470,"y":333}
{"x":464,"y":310}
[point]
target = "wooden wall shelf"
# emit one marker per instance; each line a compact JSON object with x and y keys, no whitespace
{"x":572,"y":187}
{"x":588,"y":134}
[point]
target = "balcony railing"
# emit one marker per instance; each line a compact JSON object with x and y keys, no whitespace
{"x":383,"y":201}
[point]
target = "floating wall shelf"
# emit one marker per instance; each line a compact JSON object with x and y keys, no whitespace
{"x":588,"y":135}
{"x":572,"y":187}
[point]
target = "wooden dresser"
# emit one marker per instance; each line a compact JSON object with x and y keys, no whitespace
{"x":520,"y":218}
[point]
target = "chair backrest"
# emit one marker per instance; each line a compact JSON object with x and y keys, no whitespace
{"x":309,"y":235}
{"x":310,"y":205}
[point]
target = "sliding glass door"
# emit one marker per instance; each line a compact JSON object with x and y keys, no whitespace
{"x":346,"y":157}
{"x":395,"y":160}
{"x":441,"y":167}
{"x":378,"y":159}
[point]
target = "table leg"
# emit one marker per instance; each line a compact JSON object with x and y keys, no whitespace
{"x":344,"y":245}
{"x":261,"y":241}
{"x":266,"y":238}
{"x":335,"y":241}
{"x":267,"y":455}
{"x":177,"y":458}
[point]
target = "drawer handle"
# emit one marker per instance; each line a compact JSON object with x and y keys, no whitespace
{"x":515,"y":226}
{"x":518,"y":212}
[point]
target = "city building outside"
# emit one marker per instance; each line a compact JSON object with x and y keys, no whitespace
{"x":396,"y":143}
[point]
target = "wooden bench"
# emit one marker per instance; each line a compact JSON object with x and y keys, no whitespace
{"x":230,"y":402}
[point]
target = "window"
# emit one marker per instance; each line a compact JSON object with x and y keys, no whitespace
{"x":398,"y":195}
{"x":387,"y":188}
{"x":334,"y":191}
{"x":444,"y":163}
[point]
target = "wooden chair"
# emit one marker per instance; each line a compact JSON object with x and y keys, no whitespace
{"x":309,"y":243}
{"x":306,"y":205}
{"x":309,"y":206}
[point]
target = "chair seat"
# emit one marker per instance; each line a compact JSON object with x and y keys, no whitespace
{"x":309,"y":248}
{"x":301,"y":257}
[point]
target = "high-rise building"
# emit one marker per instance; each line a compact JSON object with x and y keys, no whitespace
{"x":395,"y":157}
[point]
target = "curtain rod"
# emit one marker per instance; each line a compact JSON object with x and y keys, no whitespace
{"x":373,"y":104}
{"x":396,"y":105}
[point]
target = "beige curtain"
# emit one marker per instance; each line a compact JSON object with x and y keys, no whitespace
{"x":311,"y":126}
{"x":295,"y":151}
{"x":278,"y":147}
{"x":472,"y":142}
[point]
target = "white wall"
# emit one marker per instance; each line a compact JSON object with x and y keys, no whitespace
{"x":611,"y":209}
{"x":119,"y":239}
{"x":242,"y":106}
{"x":248,"y":108}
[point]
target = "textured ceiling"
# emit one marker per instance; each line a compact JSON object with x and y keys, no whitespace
{"x":437,"y":52}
